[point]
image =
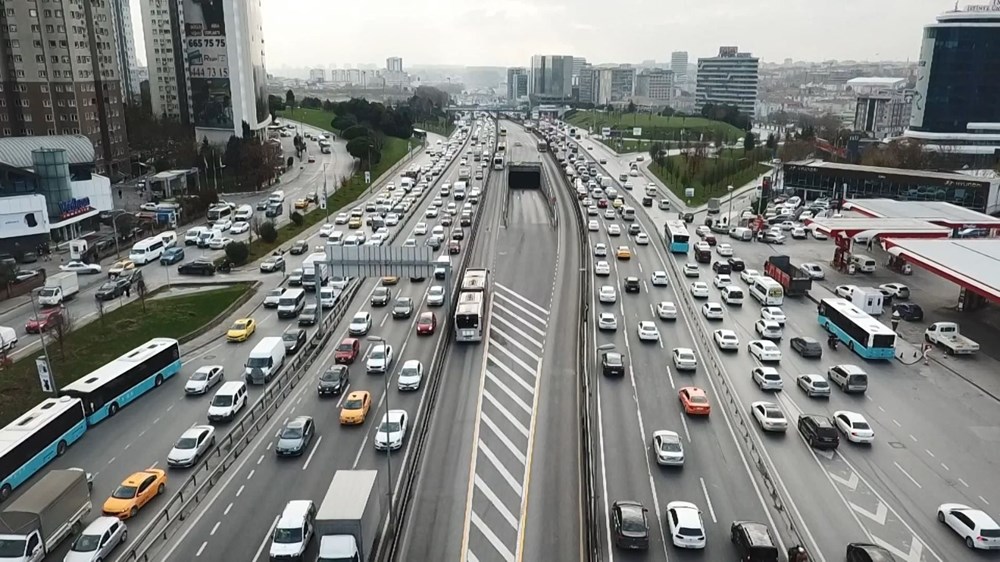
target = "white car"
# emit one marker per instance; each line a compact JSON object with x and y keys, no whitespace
{"x":222,"y":225}
{"x":593,"y":226}
{"x":687,"y":530}
{"x":600,"y":250}
{"x":410,"y":375}
{"x":360,"y":324}
{"x":609,"y":214}
{"x":81,"y":268}
{"x":666,"y":310}
{"x":769,"y":416}
{"x":768,"y":329}
{"x":391,"y":431}
{"x":724,"y":250}
{"x":607,"y":321}
{"x":813,"y":270}
{"x":854,"y":426}
{"x":240,"y":227}
{"x":813,"y":385}
{"x":191,"y":446}
{"x":342,"y":218}
{"x":976,"y":527}
{"x":435,"y":296}
{"x":699,"y":290}
{"x":327,"y":229}
{"x":712,"y":310}
{"x":798,"y":233}
{"x":420,"y":229}
{"x":764,"y":350}
{"x":648,"y":331}
{"x":767,"y":378}
{"x":691,"y":270}
{"x":392,"y":219}
{"x":819,"y":235}
{"x":726,"y":339}
{"x":641,"y":239}
{"x":410,"y":243}
{"x":614,"y":230}
{"x":748,"y":275}
{"x":659,"y":279}
{"x":607,"y":294}
{"x":379,"y":358}
{"x":721,"y":280}
{"x":431,"y":213}
{"x":845,"y":291}
{"x":593,"y":211}
{"x":897,"y":290}
{"x":220,"y":243}
{"x":773,"y":313}
{"x":602,"y":268}
{"x":684,"y":359}
{"x":204,"y":378}
{"x":703,"y":231}
{"x":668,"y":448}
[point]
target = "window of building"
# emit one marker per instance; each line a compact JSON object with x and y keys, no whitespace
{"x":54,"y":59}
{"x":32,"y":12}
{"x":61,"y":28}
{"x":48,"y":13}
{"x":19,"y":73}
{"x":44,"y":88}
{"x":40,"y":58}
{"x":43,"y":74}
{"x":50,"y":29}
{"x":59,"y":13}
{"x":49,"y":118}
{"x":46,"y":102}
{"x":7,"y":132}
{"x":27,"y":117}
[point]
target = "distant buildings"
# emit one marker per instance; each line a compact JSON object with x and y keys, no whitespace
{"x":585,"y":84}
{"x":517,"y":83}
{"x":679,"y":65}
{"x":125,"y":44}
{"x":614,"y":84}
{"x":168,"y":75}
{"x":394,"y":64}
{"x":317,"y":75}
{"x":578,"y":64}
{"x":550,"y":79}
{"x":655,"y":84}
{"x":883,"y":106}
{"x":730,"y":78}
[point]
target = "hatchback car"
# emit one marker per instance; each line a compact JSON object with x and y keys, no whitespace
{"x":333,"y":381}
{"x":411,"y":374}
{"x":773,"y":313}
{"x":806,"y":346}
{"x":632,"y":284}
{"x":191,"y":446}
{"x":909,"y":311}
{"x":426,"y":324}
{"x":435,"y":296}
{"x":764,"y":350}
{"x":769,"y":416}
{"x":659,"y":279}
{"x":813,"y":270}
{"x":360,"y":324}
{"x":629,"y":527}
{"x":813,"y":385}
{"x":691,"y":270}
{"x":379,"y":359}
{"x":98,"y":540}
{"x":748,"y":275}
{"x":602,"y":268}
{"x":712,"y":311}
{"x":897,"y":290}
{"x":976,"y":527}
{"x":381,"y":296}
{"x":600,"y":250}
{"x":768,"y":329}
{"x":402,"y":308}
{"x":294,"y":340}
{"x":767,"y":378}
{"x":612,"y":364}
{"x":607,"y":294}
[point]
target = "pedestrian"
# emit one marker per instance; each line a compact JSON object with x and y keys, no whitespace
{"x":871,"y":243}
{"x":119,"y":193}
{"x":895,"y":320}
{"x":128,"y":290}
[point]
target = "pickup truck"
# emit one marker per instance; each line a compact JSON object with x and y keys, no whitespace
{"x":948,"y":336}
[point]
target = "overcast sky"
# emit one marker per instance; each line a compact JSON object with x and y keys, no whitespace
{"x":305,"y":33}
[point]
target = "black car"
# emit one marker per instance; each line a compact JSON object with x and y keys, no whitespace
{"x":294,"y":339}
{"x":806,"y":346}
{"x":909,"y":311}
{"x":466,"y":220}
{"x":612,"y":364}
{"x":382,"y":296}
{"x":197,"y":267}
{"x":819,"y":431}
{"x":629,"y":528}
{"x":112,"y":289}
{"x":753,"y":541}
{"x":403,"y":308}
{"x":688,"y":218}
{"x":333,"y":381}
{"x":171,"y":256}
{"x":434,"y":242}
{"x":722,"y":267}
{"x":736,"y":264}
{"x":647,"y":201}
{"x":308,"y":315}
{"x":864,"y":552}
{"x":299,"y":247}
{"x":631,"y":284}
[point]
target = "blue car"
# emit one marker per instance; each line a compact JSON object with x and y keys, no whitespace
{"x":171,"y":256}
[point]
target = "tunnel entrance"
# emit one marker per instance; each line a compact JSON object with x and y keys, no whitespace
{"x":524,"y":175}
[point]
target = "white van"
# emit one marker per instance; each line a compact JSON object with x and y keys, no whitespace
{"x":8,"y":339}
{"x":169,"y":238}
{"x":243,"y":213}
{"x":767,"y":291}
{"x":628,"y":214}
{"x":228,"y":401}
{"x":147,"y":250}
{"x":277,"y":197}
{"x":741,"y":233}
{"x":293,"y":531}
{"x":327,"y":297}
{"x":291,"y":302}
{"x":192,"y":236}
{"x":265,"y":359}
{"x":865,"y":264}
{"x":731,"y":294}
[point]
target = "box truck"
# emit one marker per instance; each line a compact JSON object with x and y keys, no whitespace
{"x":315,"y":271}
{"x":34,"y":524}
{"x":348,"y":519}
{"x":59,"y":288}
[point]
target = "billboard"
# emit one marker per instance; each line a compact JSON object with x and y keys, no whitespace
{"x":923,"y":78}
{"x":208,"y":60}
{"x":23,"y":215}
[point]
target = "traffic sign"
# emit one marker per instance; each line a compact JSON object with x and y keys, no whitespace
{"x":636,"y":131}
{"x":44,"y":375}
{"x":689,"y":192}
{"x":368,"y":177}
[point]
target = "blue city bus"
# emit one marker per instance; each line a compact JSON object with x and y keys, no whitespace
{"x":863,"y":334}
{"x":115,"y":385}
{"x":675,"y":236}
{"x":36,"y":438}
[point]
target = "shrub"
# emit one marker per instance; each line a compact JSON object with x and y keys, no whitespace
{"x":238,"y":252}
{"x":268,"y":233}
{"x":297,"y":218}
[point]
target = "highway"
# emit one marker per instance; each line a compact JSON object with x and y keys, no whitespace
{"x":141,"y":435}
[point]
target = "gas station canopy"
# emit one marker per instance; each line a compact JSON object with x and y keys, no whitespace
{"x":973,"y":264}
{"x":880,"y":227}
{"x":937,"y":212}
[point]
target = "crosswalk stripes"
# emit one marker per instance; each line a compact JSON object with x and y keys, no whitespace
{"x":514,"y":351}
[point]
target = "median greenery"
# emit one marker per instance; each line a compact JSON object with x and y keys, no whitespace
{"x":675,"y":128}
{"x":709,"y":172}
{"x":108,"y":337}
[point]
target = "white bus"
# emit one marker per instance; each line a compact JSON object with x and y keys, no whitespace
{"x":470,"y":315}
{"x":767,"y":291}
{"x":147,"y":250}
{"x":219,"y":212}
{"x":498,"y":162}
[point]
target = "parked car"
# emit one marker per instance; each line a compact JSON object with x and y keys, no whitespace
{"x":171,"y":256}
{"x":197,"y":267}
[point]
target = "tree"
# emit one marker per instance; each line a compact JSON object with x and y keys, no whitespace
{"x":61,"y":330}
{"x":772,"y":141}
{"x":654,"y":150}
{"x":237,"y":252}
{"x":354,"y":132}
{"x":360,"y":148}
{"x":297,"y":218}
{"x":749,"y":142}
{"x":631,"y":107}
{"x":268,"y":233}
{"x":290,"y":99}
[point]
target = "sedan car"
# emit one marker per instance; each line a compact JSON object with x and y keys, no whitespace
{"x":773,"y":313}
{"x":684,"y":359}
{"x":593,"y":226}
{"x":642,"y":239}
{"x":240,"y":227}
{"x":694,"y":401}
{"x":768,"y":329}
{"x":607,"y":294}
{"x":767,"y":378}
{"x":120,"y":267}
{"x":333,"y":381}
{"x":699,"y":290}
{"x":192,"y":444}
{"x":691,"y":270}
{"x":381,"y":296}
{"x":976,"y":527}
{"x":813,"y":270}
{"x":272,"y":263}
{"x":668,"y":448}
{"x":295,"y":436}
{"x":379,"y":358}
{"x":391,"y":431}
{"x":813,"y":385}
{"x":659,"y":278}
{"x":112,"y":289}
{"x":602,"y":268}
{"x":600,"y":250}
{"x":687,"y":529}
{"x":648,"y":331}
{"x":712,"y":311}
{"x":854,"y":426}
{"x":721,"y":280}
{"x":426,"y":324}
{"x":241,"y":330}
{"x":748,"y":275}
{"x":629,"y":527}
{"x":612,"y":364}
{"x":135,"y":492}
{"x":666,"y":310}
{"x":623,"y":253}
{"x":606,"y":321}
{"x":806,"y":346}
{"x":845,"y":291}
{"x":294,"y":340}
{"x":726,"y":339}
{"x":81,"y":268}
{"x":355,"y":408}
{"x":764,"y":350}
{"x":769,"y":416}
{"x":435,"y":296}
{"x":724,"y":250}
{"x":309,"y":315}
{"x":897,"y":290}
{"x":203,"y":379}
{"x":360,"y":324}
{"x":410,"y":375}
{"x":402,"y":308}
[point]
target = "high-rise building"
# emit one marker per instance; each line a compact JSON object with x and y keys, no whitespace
{"x":585,"y":84}
{"x":614,"y":84}
{"x":679,"y":65}
{"x":578,"y":63}
{"x":317,"y":75}
{"x":550,"y":79}
{"x":163,"y":30}
{"x":731,"y":78}
{"x":125,"y":43}
{"x":394,"y":64}
{"x":958,"y":77}
{"x":517,"y":83}
{"x":67,"y":83}
{"x":655,"y":84}
{"x":883,"y":106}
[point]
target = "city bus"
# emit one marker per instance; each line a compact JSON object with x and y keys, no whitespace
{"x":675,"y":236}
{"x":498,"y":162}
{"x":115,"y":385}
{"x":542,"y":146}
{"x":36,"y":438}
{"x":865,"y":335}
{"x":470,"y":315}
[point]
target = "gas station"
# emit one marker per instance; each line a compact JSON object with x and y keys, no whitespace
{"x":936,"y":212}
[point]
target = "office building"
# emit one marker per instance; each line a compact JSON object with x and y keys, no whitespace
{"x":585,"y":84}
{"x":728,"y":79}
{"x":614,"y":84}
{"x":68,"y":83}
{"x":517,"y":83}
{"x":958,"y":76}
{"x":578,"y":64}
{"x":550,"y":79}
{"x":125,"y":43}
{"x":679,"y":65}
{"x":163,"y":32}
{"x":882,"y":109}
{"x":655,"y":84}
{"x":394,"y":64}
{"x":317,"y":75}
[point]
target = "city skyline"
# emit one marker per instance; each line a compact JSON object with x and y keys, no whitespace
{"x":508,"y":34}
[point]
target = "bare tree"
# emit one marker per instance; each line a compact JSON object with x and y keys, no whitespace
{"x":61,"y":330}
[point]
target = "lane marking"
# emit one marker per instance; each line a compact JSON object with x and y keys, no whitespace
{"x":928,"y":451}
{"x":240,"y":491}
{"x":513,"y":341}
{"x":504,"y":439}
{"x":313,"y":452}
{"x":267,"y":537}
{"x":514,"y":484}
{"x":506,"y":413}
{"x":252,"y":471}
{"x":261,"y":459}
{"x":525,"y":311}
{"x":685,"y":424}
{"x":501,"y":549}
{"x":523,"y":299}
{"x":201,"y":548}
{"x":512,"y":374}
{"x":982,"y":499}
{"x":962,"y":482}
{"x":215,"y":528}
{"x":497,"y":503}
{"x":907,"y":474}
{"x":514,"y":328}
{"x":510,"y":393}
{"x":228,"y":507}
{"x":515,"y":359}
{"x":944,"y":466}
{"x":711,"y":510}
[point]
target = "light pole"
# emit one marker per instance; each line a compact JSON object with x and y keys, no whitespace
{"x":114,"y":225}
{"x":730,"y":189}
{"x":388,"y":447}
{"x":325,"y":203}
{"x":45,"y":348}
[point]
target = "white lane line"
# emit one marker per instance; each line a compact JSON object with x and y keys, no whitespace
{"x":127,"y":445}
{"x":514,"y":484}
{"x":215,"y":528}
{"x":170,"y":407}
{"x":240,"y":491}
{"x":509,"y":324}
{"x":907,"y":474}
{"x":897,"y":423}
{"x":913,"y":438}
{"x":252,"y":471}
{"x":470,"y":557}
{"x":500,"y":507}
{"x":670,"y":376}
{"x":514,"y":376}
{"x":708,"y":500}
{"x":515,"y":358}
{"x":228,"y":507}
{"x":510,"y":393}
{"x":881,"y":409}
{"x":201,"y":548}
{"x":504,"y":439}
{"x":512,"y":340}
{"x":521,"y":297}
{"x":382,"y":323}
{"x":685,"y":424}
{"x":928,"y":451}
{"x":506,"y":413}
{"x":313,"y":452}
{"x":963,"y":482}
{"x":523,"y":310}
{"x":152,"y":466}
{"x":261,"y":459}
{"x":267,"y":537}
{"x":982,"y":499}
{"x":111,"y":460}
{"x":944,"y":466}
{"x":501,"y":549}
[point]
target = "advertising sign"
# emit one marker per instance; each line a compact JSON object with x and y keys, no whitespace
{"x":923,"y":78}
{"x":44,"y":375}
{"x":207,"y":58}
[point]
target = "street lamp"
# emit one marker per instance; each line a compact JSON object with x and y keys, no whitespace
{"x":730,"y":189}
{"x":45,"y":349}
{"x":114,"y":225}
{"x":388,"y":448}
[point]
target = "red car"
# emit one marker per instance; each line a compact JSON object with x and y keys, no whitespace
{"x":45,"y":321}
{"x":711,"y":240}
{"x":454,"y":247}
{"x":694,"y":401}
{"x":427,"y":324}
{"x":602,"y":203}
{"x":347,"y":351}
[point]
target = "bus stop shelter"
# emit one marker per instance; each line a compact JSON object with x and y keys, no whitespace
{"x":972,"y":264}
{"x":935,"y":212}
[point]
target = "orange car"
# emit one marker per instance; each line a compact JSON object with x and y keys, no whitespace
{"x":356,"y":407}
{"x":694,"y":400}
{"x":136,"y":491}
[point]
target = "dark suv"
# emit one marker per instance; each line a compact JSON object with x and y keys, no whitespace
{"x":753,"y":541}
{"x":737,"y":264}
{"x":864,"y":552}
{"x":722,"y":267}
{"x":612,"y":364}
{"x":631,"y":284}
{"x":819,"y":431}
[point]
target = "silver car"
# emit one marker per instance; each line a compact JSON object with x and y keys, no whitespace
{"x":193,"y":443}
{"x":668,"y":448}
{"x":203,"y":379}
{"x":98,"y":540}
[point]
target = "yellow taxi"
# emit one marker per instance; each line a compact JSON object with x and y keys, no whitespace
{"x":136,"y":491}
{"x":354,"y":223}
{"x":301,"y":203}
{"x":389,"y":280}
{"x":120,"y":267}
{"x":617,"y":203}
{"x":356,"y":407}
{"x":241,"y":330}
{"x":623,"y":253}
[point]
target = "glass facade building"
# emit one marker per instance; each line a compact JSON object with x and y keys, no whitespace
{"x":551,"y":78}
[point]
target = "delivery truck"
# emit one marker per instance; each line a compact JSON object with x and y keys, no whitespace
{"x":793,"y":280}
{"x":265,"y":360}
{"x":348,"y":519}
{"x":59,"y":288}
{"x":948,"y":336}
{"x":53,"y":509}
{"x":315,"y":271}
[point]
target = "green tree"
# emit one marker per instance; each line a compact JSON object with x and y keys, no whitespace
{"x":290,"y":99}
{"x":772,"y":141}
{"x":749,"y":142}
{"x":268,"y":233}
{"x":297,"y":218}
{"x":354,"y":132}
{"x":238,"y":252}
{"x":341,"y":122}
{"x":362,"y":148}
